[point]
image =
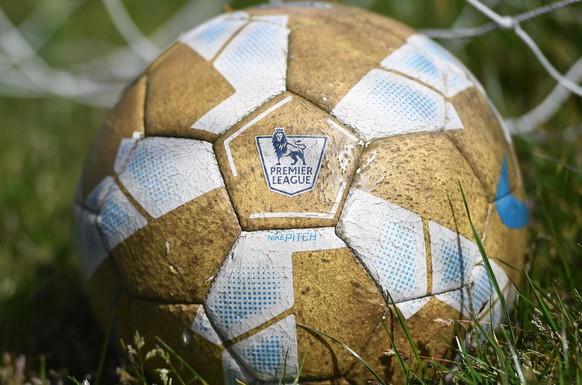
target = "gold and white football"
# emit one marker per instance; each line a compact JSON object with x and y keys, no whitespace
{"x":285,"y":169}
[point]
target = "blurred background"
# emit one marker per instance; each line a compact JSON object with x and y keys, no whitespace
{"x":63,"y":63}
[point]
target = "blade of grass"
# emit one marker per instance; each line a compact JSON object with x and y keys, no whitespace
{"x":564,"y":321}
{"x":487,"y":263}
{"x":466,"y":357}
{"x":454,"y":372}
{"x":492,"y":340}
{"x":43,"y":368}
{"x":73,"y":380}
{"x":541,"y":305}
{"x":419,"y":380}
{"x":397,"y":353}
{"x":557,"y":243}
{"x":181,"y":360}
{"x":296,"y":379}
{"x":511,"y":345}
{"x":110,"y":321}
{"x":490,"y":337}
{"x":182,"y":382}
{"x":525,"y":305}
{"x":402,"y":323}
{"x":282,"y":378}
{"x":350,"y":350}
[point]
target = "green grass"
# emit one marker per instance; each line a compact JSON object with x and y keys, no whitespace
{"x":46,"y":328}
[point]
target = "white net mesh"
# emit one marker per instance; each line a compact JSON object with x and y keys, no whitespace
{"x":567,"y":84}
{"x":97,"y":81}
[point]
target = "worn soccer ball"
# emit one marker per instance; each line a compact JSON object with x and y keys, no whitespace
{"x":288,"y":170}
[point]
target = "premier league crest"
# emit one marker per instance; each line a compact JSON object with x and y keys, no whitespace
{"x":291,"y":163}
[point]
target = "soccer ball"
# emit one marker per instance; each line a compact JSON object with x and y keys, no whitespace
{"x":288,"y":170}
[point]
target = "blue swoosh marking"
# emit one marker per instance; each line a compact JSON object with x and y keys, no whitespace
{"x":512,"y":211}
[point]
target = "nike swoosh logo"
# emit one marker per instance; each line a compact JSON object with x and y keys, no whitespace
{"x":512,"y":211}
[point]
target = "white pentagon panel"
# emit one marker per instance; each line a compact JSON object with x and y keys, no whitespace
{"x":204,"y":328}
{"x":389,"y":240}
{"x":453,"y":258}
{"x":478,"y":294}
{"x":255,"y":283}
{"x":118,"y":219}
{"x":452,"y":119}
{"x":126,"y":146}
{"x":233,"y":373}
{"x":456,"y":82}
{"x":456,"y":77}
{"x":208,"y":38}
{"x":411,"y":61}
{"x":96,"y":197}
{"x":255,"y":63}
{"x":410,"y":308}
{"x":436,"y":51}
{"x":384,"y":104}
{"x":164,"y":173}
{"x":90,"y":247}
{"x":265,"y":352}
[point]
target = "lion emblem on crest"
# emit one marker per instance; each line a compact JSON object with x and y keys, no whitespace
{"x":284,"y":147}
